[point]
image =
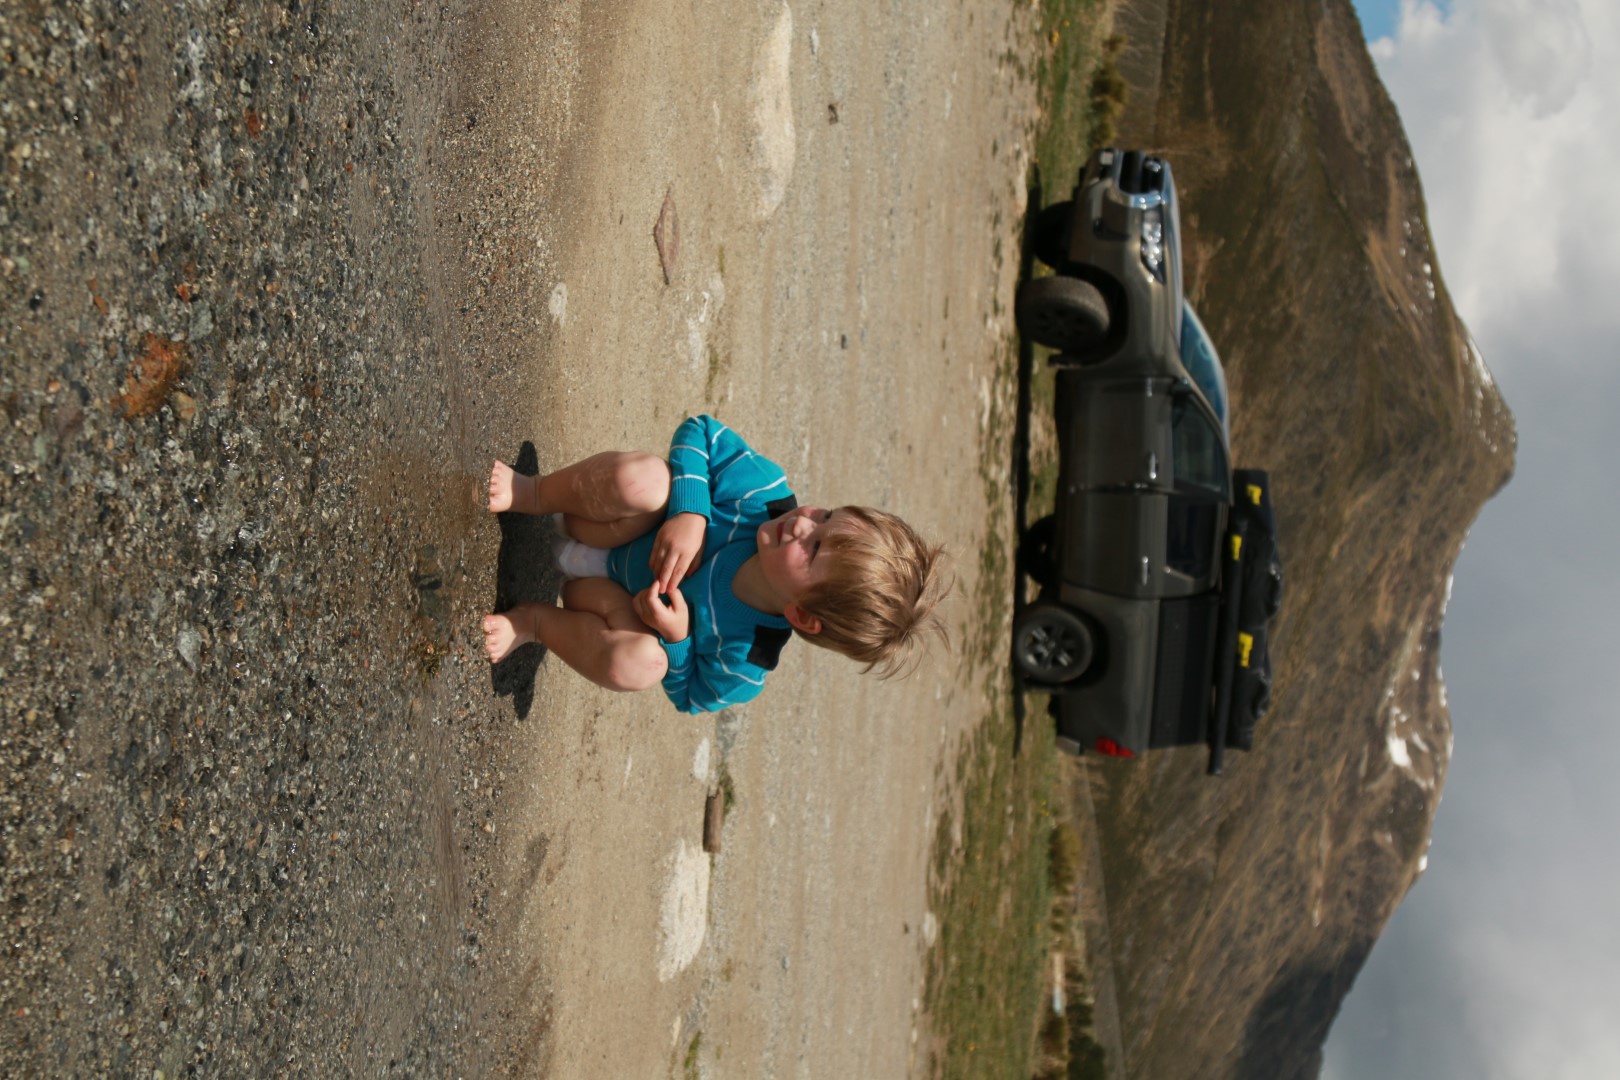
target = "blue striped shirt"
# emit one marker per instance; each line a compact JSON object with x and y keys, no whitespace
{"x":730,"y":647}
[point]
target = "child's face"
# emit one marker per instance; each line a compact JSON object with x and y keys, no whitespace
{"x":791,"y":551}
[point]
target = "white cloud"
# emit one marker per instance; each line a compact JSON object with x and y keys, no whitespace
{"x":1541,"y":49}
{"x":1508,"y":947}
{"x":1513,"y":114}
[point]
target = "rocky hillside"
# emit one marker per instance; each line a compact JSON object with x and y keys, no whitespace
{"x":1240,"y":909}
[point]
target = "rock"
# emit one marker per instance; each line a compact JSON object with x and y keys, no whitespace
{"x":202,"y":321}
{"x":684,"y":913}
{"x":771,"y":94}
{"x":152,"y":376}
{"x":189,"y":643}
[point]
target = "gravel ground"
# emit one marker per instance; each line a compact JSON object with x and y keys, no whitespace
{"x":234,"y":497}
{"x":276,"y":281}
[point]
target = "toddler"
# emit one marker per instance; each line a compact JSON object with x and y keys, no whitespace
{"x":694,"y":572}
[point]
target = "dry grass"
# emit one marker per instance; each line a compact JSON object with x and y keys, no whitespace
{"x":992,"y":898}
{"x":1005,"y":862}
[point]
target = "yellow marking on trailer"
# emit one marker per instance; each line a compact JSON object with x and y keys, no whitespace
{"x":1237,"y":547}
{"x":1245,"y":643}
{"x":1255,"y":493}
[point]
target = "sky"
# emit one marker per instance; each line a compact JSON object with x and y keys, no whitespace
{"x":1504,"y":960}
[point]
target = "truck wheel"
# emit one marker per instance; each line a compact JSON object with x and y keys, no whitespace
{"x":1260,"y":698}
{"x":1035,"y":555}
{"x":1051,"y":234}
{"x":1062,"y":313}
{"x":1051,"y":644}
{"x":1274,"y":590}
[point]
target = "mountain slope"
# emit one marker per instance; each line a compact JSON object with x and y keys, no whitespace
{"x":1241,"y":909}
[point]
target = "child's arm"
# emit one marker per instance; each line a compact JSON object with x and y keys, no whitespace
{"x":704,"y":683}
{"x":672,"y":620}
{"x":695,"y":682}
{"x":690,"y":454}
{"x":677,"y":550}
{"x":713,"y":472}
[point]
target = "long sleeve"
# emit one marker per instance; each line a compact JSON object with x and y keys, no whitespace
{"x":715,"y":473}
{"x":704,"y":683}
{"x":689,"y":455}
{"x":730,"y":648}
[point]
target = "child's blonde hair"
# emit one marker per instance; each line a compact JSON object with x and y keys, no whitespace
{"x":876,"y":606}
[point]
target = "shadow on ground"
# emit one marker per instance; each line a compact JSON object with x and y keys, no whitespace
{"x":523,"y":575}
{"x":1020,"y":450}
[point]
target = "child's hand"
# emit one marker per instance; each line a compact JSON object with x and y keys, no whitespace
{"x":670,"y":620}
{"x":677,"y":551}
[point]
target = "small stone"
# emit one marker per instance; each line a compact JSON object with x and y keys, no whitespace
{"x":185,"y":406}
{"x":202,"y":321}
{"x":189,"y":642}
{"x":152,"y":376}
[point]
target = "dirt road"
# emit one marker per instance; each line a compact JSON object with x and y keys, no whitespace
{"x":848,"y":182}
{"x":237,"y":834}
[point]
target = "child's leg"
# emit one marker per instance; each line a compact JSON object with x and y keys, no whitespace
{"x":607,"y":499}
{"x":603,"y":487}
{"x":596,"y":633}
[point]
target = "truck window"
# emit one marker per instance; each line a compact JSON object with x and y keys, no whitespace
{"x":1196,"y":448}
{"x":1190,"y":546}
{"x":1201,"y":489}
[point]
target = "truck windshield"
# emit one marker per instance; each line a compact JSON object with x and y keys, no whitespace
{"x":1198,"y":356}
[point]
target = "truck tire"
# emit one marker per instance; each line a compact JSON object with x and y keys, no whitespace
{"x":1062,"y":313}
{"x":1051,"y":644}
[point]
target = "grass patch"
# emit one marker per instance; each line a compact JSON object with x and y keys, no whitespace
{"x":1065,"y":1048}
{"x":728,"y":790}
{"x":689,"y":1067}
{"x":1082,"y":96}
{"x":1082,"y":92}
{"x":1005,"y":862}
{"x":992,"y":898}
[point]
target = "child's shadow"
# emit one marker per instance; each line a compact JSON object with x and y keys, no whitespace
{"x":523,"y":574}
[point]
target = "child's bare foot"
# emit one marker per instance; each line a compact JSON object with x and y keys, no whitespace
{"x":509,"y":490}
{"x":502,"y":635}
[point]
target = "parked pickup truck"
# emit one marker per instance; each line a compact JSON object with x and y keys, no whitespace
{"x":1158,"y":569}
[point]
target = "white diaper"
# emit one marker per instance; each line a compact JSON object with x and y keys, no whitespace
{"x":577,"y":560}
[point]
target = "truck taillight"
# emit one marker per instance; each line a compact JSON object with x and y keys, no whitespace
{"x":1110,"y":748}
